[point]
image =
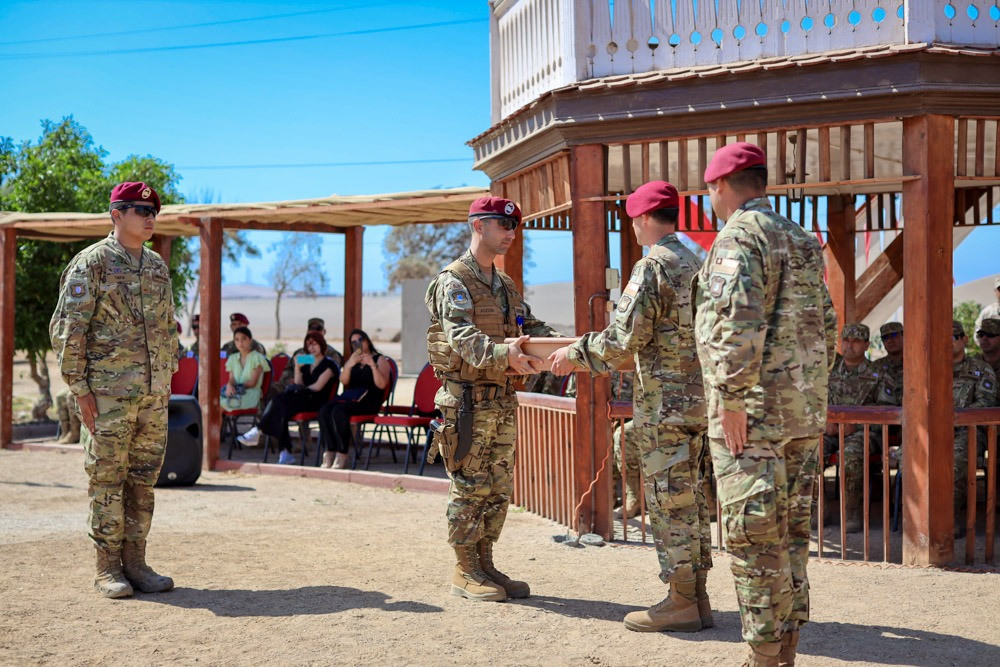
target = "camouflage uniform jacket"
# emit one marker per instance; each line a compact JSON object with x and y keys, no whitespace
{"x":113,"y":328}
{"x":653,"y":321}
{"x":857,"y":386}
{"x":890,"y":386}
{"x":450,"y":305}
{"x":973,"y":384}
{"x":996,"y":372}
{"x":765,"y":326}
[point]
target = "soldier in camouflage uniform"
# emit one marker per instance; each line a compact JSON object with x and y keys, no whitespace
{"x":766,"y":333}
{"x":974,"y":385}
{"x":69,"y":418}
{"x":853,"y":381}
{"x":114,"y":337}
{"x":653,"y":322}
{"x":988,"y":336}
{"x":890,"y":367}
{"x":474,"y":306}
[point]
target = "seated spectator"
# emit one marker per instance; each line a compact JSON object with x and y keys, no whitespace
{"x":196,"y":331}
{"x":278,"y":386}
{"x":311,"y":377}
{"x":246,"y":372}
{"x":364,"y":378}
{"x":237,"y":320}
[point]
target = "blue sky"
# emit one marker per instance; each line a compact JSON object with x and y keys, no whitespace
{"x":393,"y":93}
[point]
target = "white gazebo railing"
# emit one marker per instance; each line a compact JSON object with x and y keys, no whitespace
{"x":540,"y":45}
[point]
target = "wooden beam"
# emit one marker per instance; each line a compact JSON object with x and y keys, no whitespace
{"x":162,"y":246}
{"x":353,"y":264}
{"x":840,"y":255}
{"x":880,"y":277}
{"x":209,"y":342}
{"x":928,"y":500}
{"x":590,"y":256}
{"x":8,"y":258}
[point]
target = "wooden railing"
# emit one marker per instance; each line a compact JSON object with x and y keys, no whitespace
{"x":540,"y":45}
{"x":543,"y":476}
{"x":544,"y":479}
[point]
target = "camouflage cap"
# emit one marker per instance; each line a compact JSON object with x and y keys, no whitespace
{"x":957,"y":329}
{"x":991,"y":326}
{"x":856,"y":330}
{"x":890,"y":328}
{"x":315,"y":323}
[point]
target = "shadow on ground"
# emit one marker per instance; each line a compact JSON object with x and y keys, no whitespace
{"x":309,"y":600}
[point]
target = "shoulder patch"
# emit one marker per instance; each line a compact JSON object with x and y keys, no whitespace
{"x":715,"y":285}
{"x":77,"y":289}
{"x":726,"y":265}
{"x":631,"y":289}
{"x":460,"y":298}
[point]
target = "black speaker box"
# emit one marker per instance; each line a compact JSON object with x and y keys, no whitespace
{"x":182,"y":459}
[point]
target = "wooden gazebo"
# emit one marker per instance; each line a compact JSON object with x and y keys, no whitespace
{"x":859,"y":105}
{"x":338,"y":214}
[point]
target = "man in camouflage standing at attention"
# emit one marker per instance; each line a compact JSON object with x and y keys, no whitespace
{"x":474,"y":306}
{"x":114,"y":335}
{"x":654,"y":321}
{"x":766,"y":332}
{"x":853,"y":381}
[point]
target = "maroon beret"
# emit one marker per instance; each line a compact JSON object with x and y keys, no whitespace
{"x":180,"y":329}
{"x":135,"y":192}
{"x":734,"y":157}
{"x":493,"y":207}
{"x":239,"y":317}
{"x":651,"y":196}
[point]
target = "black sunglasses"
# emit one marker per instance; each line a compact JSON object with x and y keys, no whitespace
{"x":507,"y":224}
{"x":891,"y":335}
{"x":957,"y":336}
{"x":983,"y":334}
{"x":142,"y":209}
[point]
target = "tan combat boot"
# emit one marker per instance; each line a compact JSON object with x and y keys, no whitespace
{"x":138,"y":573}
{"x":469,"y":580}
{"x":110,"y":582}
{"x":765,"y":655}
{"x":678,"y":612}
{"x":70,"y":434}
{"x":512,"y":587}
{"x":789,"y":641}
{"x":701,"y":594}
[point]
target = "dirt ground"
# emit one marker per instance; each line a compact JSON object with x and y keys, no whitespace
{"x":294,"y":571}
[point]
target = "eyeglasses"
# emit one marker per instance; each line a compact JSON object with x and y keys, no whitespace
{"x":958,"y":336}
{"x":142,"y":210}
{"x":890,"y":336}
{"x":506,"y":224}
{"x":983,"y":334}
{"x":357,"y":340}
{"x":195,"y":326}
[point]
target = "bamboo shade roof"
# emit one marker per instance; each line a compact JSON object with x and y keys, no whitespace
{"x":330,"y":214}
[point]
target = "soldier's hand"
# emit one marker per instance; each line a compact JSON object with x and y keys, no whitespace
{"x":734,"y":428}
{"x":518,"y":361}
{"x":561,"y":365}
{"x":88,"y":411}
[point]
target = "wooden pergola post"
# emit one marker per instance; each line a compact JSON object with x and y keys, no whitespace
{"x":353,"y":264}
{"x":8,"y":257}
{"x":513,"y":262}
{"x":928,"y":411}
{"x":590,"y":256}
{"x":630,"y":251}
{"x":209,"y":342}
{"x":162,"y":246}
{"x":840,"y":264}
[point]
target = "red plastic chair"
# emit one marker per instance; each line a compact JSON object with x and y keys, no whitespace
{"x":419,"y":415}
{"x":358,"y":422}
{"x":231,"y":417}
{"x":278,"y":364}
{"x":305,"y":419}
{"x":185,"y":378}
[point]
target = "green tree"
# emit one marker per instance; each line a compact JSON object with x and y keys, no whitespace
{"x":966,"y":313}
{"x":420,"y":251}
{"x":64,"y":171}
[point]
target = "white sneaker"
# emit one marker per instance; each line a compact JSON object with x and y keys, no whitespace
{"x":249,"y":439}
{"x":286,"y":457}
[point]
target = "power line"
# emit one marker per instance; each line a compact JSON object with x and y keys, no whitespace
{"x":272,"y":40}
{"x":307,"y":165}
{"x":186,"y":26}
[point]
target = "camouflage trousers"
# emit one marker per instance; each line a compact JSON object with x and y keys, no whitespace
{"x":672,"y":460}
{"x":854,"y":457}
{"x":480,"y":491}
{"x":766,"y":493}
{"x":631,"y":449}
{"x":123,"y":459}
{"x":66,"y":407}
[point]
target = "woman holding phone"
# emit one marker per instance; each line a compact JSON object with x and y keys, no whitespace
{"x":309,"y":390}
{"x":365,"y":377}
